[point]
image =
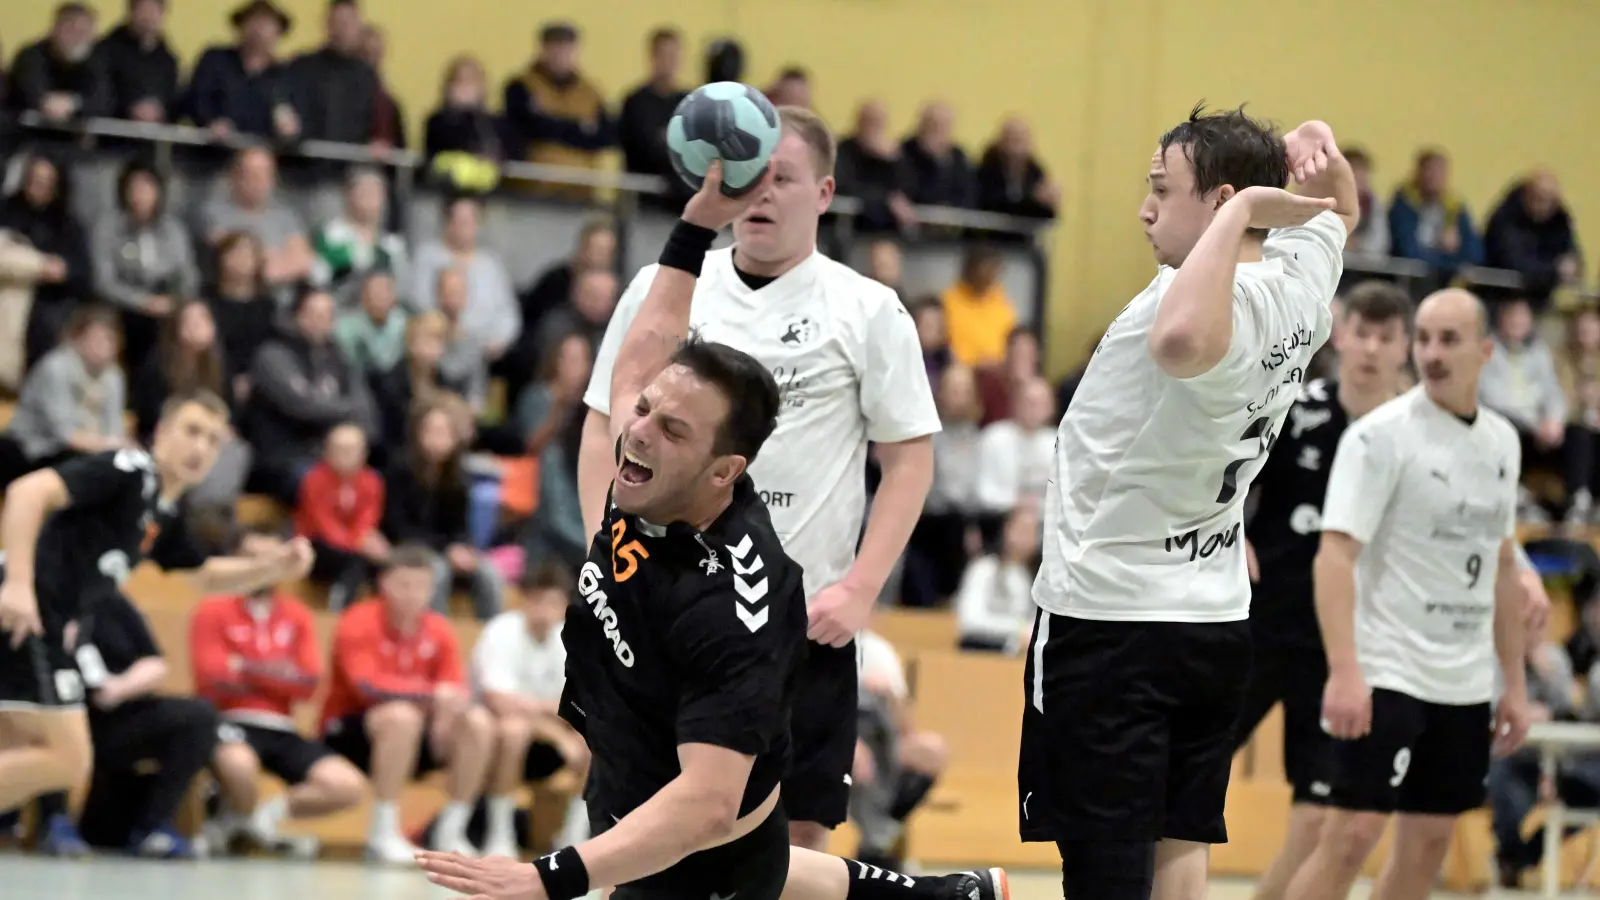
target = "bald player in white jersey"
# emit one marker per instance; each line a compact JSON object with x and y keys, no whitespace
{"x":846,"y":357}
{"x":1138,"y":664}
{"x":1419,"y":602}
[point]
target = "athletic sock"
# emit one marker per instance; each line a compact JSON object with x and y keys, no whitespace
{"x":264,"y":821}
{"x":385,"y":823}
{"x":451,"y":827}
{"x":869,"y":882}
{"x":909,"y":794}
{"x":501,"y":827}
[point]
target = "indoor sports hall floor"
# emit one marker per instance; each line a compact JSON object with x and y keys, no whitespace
{"x":34,"y":878}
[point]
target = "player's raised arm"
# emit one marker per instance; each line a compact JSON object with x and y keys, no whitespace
{"x":1321,"y":170}
{"x":663,"y":318}
{"x":248,"y":574}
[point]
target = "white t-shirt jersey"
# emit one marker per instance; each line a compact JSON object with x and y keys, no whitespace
{"x":845,"y":355}
{"x":1431,"y":499}
{"x":1145,"y":505}
{"x":507,"y":659}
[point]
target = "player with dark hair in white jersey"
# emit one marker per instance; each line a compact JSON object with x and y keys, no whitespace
{"x":846,"y":358}
{"x":1417,"y":593}
{"x":1141,"y":650}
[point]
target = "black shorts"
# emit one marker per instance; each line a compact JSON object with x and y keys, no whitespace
{"x":1295,"y":677}
{"x":542,"y":761}
{"x":287,"y":754}
{"x":348,"y":738}
{"x":40,"y":674}
{"x":822,"y":729}
{"x":755,"y":867}
{"x":1419,"y":757}
{"x":1128,"y":729}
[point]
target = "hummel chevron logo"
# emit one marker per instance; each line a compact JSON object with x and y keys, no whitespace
{"x":751,"y":592}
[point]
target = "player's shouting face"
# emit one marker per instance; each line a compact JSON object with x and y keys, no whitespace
{"x":670,"y":450}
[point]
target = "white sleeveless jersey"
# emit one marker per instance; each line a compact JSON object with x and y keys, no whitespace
{"x":1144,"y":511}
{"x":846,"y":358}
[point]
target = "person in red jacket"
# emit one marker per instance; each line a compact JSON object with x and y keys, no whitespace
{"x":255,"y":657}
{"x":341,"y":503}
{"x":398,"y":705}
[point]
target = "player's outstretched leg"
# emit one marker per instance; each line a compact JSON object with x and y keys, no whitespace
{"x":818,"y":876}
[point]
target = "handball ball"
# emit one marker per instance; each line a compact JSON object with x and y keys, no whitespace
{"x":728,"y":121}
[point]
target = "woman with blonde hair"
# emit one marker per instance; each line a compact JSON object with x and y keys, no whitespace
{"x":416,"y":378}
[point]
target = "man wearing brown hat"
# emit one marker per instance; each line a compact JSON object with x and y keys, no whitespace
{"x":245,"y":87}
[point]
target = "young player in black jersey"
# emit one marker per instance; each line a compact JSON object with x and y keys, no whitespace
{"x":72,"y":533}
{"x":685,"y":641}
{"x":1371,"y":337}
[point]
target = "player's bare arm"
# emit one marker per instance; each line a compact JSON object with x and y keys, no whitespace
{"x":596,"y":468}
{"x":1193,"y":327}
{"x":1321,"y":170}
{"x":663,"y":318}
{"x":30,"y":502}
{"x":841,"y":610}
{"x":1347,"y":703}
{"x":1510,"y":645}
{"x":248,"y":574}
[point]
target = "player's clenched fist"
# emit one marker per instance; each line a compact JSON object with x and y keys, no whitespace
{"x":1347,"y":706}
{"x":711,"y":208}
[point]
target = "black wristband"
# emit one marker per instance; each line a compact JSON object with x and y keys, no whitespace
{"x":563,"y":874}
{"x":687,"y":247}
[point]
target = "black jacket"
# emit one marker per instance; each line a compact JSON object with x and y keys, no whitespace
{"x":1513,"y":240}
{"x":135,"y":73}
{"x":336,"y":97}
{"x":417,"y":513}
{"x":298,"y":392}
{"x":37,"y":71}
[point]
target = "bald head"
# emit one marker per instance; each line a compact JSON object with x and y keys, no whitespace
{"x":1541,"y":195}
{"x":1454,"y":309}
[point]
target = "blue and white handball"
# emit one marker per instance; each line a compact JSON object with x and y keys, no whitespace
{"x":728,"y":121}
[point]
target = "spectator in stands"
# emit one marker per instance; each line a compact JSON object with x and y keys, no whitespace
{"x":418,"y":377}
{"x":141,"y":71}
{"x":398,"y":706}
{"x":59,"y":77}
{"x":333,"y":89}
{"x":994,"y":605}
{"x":255,"y":659}
{"x":132,"y":804}
{"x":388,"y":118}
{"x":642,"y":124}
{"x":937,"y":170}
{"x":1531,"y":232}
{"x":557,"y":113}
{"x":1578,"y":368}
{"x":1371,"y":237}
{"x":586,"y":312}
{"x":143,"y":258}
{"x":465,"y":360}
{"x":1430,"y":222}
{"x":463,"y":140}
{"x":373,"y":336}
{"x":549,"y":415}
{"x":356,"y":242}
{"x":185,"y":359}
{"x":1520,"y":383}
{"x":597,"y":249}
{"x":896,"y":763}
{"x":300,"y":387}
{"x":492,"y":316}
{"x":934,"y":336}
{"x":946,"y":534}
{"x":791,"y":88}
{"x":998,"y":385}
{"x":341,"y":505}
{"x":245,"y":88}
{"x":425,"y":502}
{"x":871,"y":170}
{"x":242,"y":306}
{"x":885,"y":265}
{"x":977,"y":311}
{"x":251,"y":204}
{"x":1010,"y":179}
{"x":518,"y":670}
{"x":1014,"y":454}
{"x":40,"y":215}
{"x":72,"y":401}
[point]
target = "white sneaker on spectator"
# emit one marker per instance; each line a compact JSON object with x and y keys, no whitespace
{"x":575,"y":827}
{"x":501,"y":845}
{"x":393,"y":850}
{"x":219,"y":833}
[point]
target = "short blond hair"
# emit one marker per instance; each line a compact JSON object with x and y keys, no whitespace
{"x":809,"y":127}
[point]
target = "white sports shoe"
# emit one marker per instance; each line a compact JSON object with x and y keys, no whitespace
{"x":392,"y":851}
{"x":501,"y":845}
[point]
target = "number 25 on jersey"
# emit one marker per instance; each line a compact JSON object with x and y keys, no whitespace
{"x":625,"y":556}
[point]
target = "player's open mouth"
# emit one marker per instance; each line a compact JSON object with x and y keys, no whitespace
{"x":759,"y":220}
{"x":633,"y":471}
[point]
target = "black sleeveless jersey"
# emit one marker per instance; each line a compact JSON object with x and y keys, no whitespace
{"x":679,"y":636}
{"x":1287,"y":526}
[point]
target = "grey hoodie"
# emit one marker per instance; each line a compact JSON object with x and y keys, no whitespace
{"x":1521,"y":384}
{"x":132,"y":263}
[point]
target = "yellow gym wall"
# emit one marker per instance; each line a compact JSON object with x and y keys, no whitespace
{"x":1502,"y":84}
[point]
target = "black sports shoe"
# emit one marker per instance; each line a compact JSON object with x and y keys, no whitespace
{"x":982,"y":884}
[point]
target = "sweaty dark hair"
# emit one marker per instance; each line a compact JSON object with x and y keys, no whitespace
{"x":1231,"y":148}
{"x":1378,"y":302}
{"x":750,"y":389}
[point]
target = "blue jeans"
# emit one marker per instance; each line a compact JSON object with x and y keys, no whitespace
{"x":1514,"y":791}
{"x":484,"y":584}
{"x":483,"y":511}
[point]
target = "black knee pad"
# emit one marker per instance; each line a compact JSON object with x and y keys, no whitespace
{"x":1107,"y":870}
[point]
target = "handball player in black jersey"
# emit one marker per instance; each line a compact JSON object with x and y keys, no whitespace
{"x":1372,"y":336}
{"x":72,"y":533}
{"x":685,"y":639}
